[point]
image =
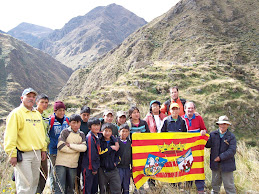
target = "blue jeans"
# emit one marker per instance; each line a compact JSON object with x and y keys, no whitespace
{"x":90,"y":181}
{"x":199,"y":184}
{"x":125,"y":175}
{"x":65,"y":180}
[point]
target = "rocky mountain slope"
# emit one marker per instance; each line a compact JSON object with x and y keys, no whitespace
{"x":30,"y":33}
{"x":85,"y":38}
{"x":23,"y":66}
{"x":208,"y":48}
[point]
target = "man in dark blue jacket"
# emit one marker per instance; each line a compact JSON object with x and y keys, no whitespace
{"x":222,"y":162}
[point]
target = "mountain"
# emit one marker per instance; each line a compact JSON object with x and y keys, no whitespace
{"x":23,"y":66}
{"x":85,"y":38}
{"x":30,"y":33}
{"x":209,"y":48}
{"x":2,"y":32}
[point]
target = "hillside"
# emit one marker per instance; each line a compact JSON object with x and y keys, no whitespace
{"x":208,"y":48}
{"x":23,"y":66}
{"x":30,"y":33}
{"x":85,"y":38}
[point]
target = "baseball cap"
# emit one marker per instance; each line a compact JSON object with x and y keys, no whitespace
{"x":154,"y":101}
{"x":107,"y":112}
{"x":29,"y":90}
{"x":173,"y":105}
{"x":121,"y":113}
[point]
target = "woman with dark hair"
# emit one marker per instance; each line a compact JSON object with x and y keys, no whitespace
{"x":136,"y":124}
{"x":154,"y":118}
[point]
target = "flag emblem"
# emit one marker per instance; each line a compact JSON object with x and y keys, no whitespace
{"x":154,"y":165}
{"x":185,"y":161}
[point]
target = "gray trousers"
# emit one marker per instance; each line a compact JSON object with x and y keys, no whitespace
{"x":52,"y":173}
{"x":111,"y":178}
{"x":228,"y":180}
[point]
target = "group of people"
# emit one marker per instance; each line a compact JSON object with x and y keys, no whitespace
{"x":94,"y":154}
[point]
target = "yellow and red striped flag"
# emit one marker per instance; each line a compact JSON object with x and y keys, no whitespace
{"x":168,"y":157}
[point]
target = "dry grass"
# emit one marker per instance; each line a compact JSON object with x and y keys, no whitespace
{"x":6,"y":184}
{"x":246,"y":176}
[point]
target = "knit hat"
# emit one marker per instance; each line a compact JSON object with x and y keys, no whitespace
{"x":58,"y":105}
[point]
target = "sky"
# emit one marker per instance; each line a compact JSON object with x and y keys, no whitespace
{"x":55,"y":14}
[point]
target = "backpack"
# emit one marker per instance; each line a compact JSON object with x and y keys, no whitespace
{"x":168,"y":103}
{"x":52,"y":120}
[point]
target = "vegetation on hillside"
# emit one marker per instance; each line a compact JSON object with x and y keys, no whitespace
{"x":216,"y":90}
{"x":23,"y":66}
{"x":207,"y":48}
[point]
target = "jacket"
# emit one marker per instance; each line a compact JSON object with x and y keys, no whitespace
{"x":142,"y":127}
{"x":84,"y":127}
{"x":45,"y":121}
{"x":165,"y":107}
{"x":109,"y":158}
{"x":125,"y":153}
{"x":91,"y":158}
{"x":225,"y":148}
{"x":169,"y":125}
{"x":25,"y":131}
{"x":152,"y":123}
{"x":54,"y":133}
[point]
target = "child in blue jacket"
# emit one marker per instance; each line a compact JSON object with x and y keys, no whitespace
{"x":108,"y":172}
{"x":57,"y":122}
{"x":91,"y":159}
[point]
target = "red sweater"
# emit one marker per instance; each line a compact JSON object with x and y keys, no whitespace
{"x":195,"y":124}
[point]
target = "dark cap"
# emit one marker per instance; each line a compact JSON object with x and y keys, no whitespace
{"x":58,"y":105}
{"x":154,"y":101}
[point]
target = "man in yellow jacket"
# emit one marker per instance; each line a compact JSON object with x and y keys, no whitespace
{"x":25,"y":132}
